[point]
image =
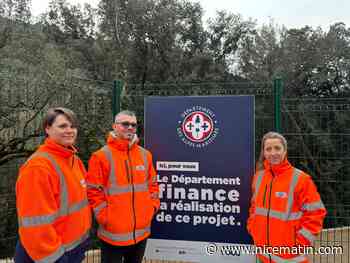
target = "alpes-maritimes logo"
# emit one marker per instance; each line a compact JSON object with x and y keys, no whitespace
{"x":197,"y":127}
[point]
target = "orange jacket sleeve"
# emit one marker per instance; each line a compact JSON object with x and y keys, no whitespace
{"x":96,"y":182}
{"x":313,"y":210}
{"x":252,"y":207}
{"x":153,"y":184}
{"x":37,"y":193}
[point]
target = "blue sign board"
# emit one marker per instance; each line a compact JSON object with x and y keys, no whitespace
{"x":203,"y":150}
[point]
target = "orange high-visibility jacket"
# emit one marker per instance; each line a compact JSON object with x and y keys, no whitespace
{"x":123,"y":191}
{"x":53,"y":211}
{"x":286,"y":210}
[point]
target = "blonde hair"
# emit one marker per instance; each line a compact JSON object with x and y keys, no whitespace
{"x":269,"y":135}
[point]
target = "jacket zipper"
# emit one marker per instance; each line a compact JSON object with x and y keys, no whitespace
{"x":268,"y":213}
{"x":127,"y":170}
{"x":264,"y":200}
{"x":132,"y":196}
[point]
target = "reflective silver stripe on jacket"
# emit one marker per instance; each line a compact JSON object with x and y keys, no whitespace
{"x":114,"y":188}
{"x":258,"y":183}
{"x":295,"y":178}
{"x":72,"y":245}
{"x":112,"y":171}
{"x":307,"y":234}
{"x":53,"y":257}
{"x":63,"y":209}
{"x":64,"y":248}
{"x":123,"y":237}
{"x":98,"y":208}
{"x":313,"y":206}
{"x":287,"y":215}
{"x":29,"y":221}
{"x":278,"y":215}
{"x":277,"y":259}
{"x":145,"y":160}
{"x":78,"y":206}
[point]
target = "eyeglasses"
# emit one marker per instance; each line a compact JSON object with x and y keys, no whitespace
{"x":127,"y":124}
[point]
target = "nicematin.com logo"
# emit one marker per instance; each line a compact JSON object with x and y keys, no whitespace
{"x":197,"y":127}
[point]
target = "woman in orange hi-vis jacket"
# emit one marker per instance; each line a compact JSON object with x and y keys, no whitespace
{"x":54,"y":217}
{"x":286,"y":210}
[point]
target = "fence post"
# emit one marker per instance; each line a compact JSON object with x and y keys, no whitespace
{"x":116,"y":92}
{"x":277,"y":94}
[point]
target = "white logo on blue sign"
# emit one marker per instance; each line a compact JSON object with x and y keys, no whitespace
{"x":198,"y":127}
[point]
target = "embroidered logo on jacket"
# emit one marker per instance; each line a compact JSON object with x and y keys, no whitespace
{"x":281,"y":194}
{"x":139,"y":168}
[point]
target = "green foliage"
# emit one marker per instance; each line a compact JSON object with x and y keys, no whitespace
{"x":71,"y":55}
{"x":18,"y":10}
{"x":311,"y":62}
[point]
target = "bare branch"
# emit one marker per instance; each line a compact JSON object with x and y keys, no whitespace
{"x":12,"y":156}
{"x":38,"y":111}
{"x":16,"y":106}
{"x":116,"y":26}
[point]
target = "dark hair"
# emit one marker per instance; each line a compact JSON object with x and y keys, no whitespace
{"x":52,"y":114}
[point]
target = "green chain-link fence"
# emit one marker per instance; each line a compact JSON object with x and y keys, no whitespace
{"x":317,"y":130}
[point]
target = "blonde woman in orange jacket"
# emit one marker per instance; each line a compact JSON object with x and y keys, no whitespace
{"x":123,"y":191}
{"x":54,"y":217}
{"x":286,"y":209}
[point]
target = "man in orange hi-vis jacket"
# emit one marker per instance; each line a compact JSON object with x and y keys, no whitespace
{"x":123,"y":192}
{"x":286,"y":210}
{"x":54,"y":216}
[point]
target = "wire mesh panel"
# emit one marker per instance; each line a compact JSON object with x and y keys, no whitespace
{"x":318,"y":134}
